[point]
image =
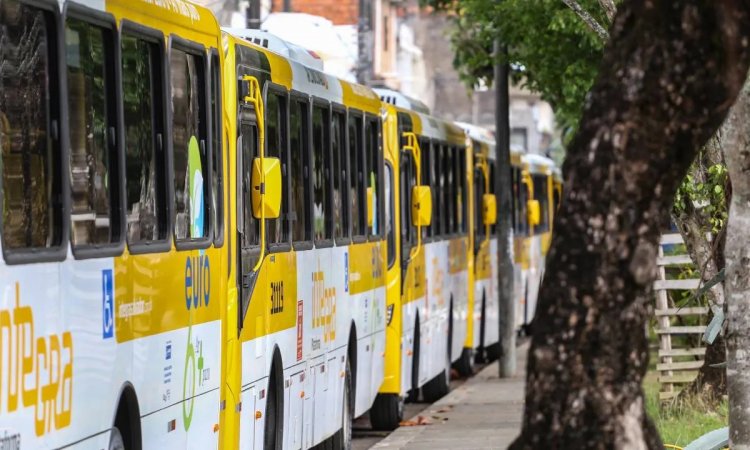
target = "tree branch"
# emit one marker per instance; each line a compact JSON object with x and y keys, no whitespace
{"x":609,"y":9}
{"x":588,"y":19}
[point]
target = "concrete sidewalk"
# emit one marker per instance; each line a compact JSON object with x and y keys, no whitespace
{"x":483,"y":413}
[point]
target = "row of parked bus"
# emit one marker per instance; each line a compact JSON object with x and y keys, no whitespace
{"x":208,"y":242}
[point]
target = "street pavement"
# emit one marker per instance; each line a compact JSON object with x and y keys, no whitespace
{"x":483,"y":413}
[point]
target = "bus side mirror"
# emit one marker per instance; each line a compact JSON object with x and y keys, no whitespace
{"x":489,"y":209}
{"x":534,"y":212}
{"x":370,"y":207}
{"x":421,"y":206}
{"x":266,"y":195}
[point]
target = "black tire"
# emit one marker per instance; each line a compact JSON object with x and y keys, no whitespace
{"x":342,"y":440}
{"x":387,"y":412}
{"x":413,"y":395}
{"x":493,"y":352}
{"x":273,"y":426}
{"x":463,"y":364}
{"x":115,"y":440}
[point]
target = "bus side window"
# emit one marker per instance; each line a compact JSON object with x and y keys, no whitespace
{"x":438,"y":216}
{"x":322,"y":217}
{"x":276,"y":146}
{"x":389,"y":214}
{"x":478,"y":219}
{"x":217,"y":166}
{"x":448,"y":191}
{"x":374,"y":166}
{"x":300,"y":156}
{"x":189,"y":158}
{"x":541,"y":194}
{"x":29,"y":118}
{"x":340,"y":177}
{"x":145,"y":158}
{"x":407,"y":179}
{"x":461,"y":196}
{"x":424,"y":145}
{"x":357,"y":180}
{"x":248,"y":148}
{"x":92,"y":109}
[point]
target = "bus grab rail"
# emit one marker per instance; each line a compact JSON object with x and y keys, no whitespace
{"x":255,"y":98}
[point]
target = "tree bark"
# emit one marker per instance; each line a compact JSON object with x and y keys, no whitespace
{"x":708,"y":257}
{"x":737,"y":283}
{"x":670,"y":73}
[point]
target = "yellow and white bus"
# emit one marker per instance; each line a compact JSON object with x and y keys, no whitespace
{"x":483,"y":336}
{"x":308,"y":350}
{"x":206,"y":217}
{"x":114,"y":249}
{"x":428,"y":256}
{"x":534,"y":209}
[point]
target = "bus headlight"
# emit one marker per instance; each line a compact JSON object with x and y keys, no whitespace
{"x":388,"y":314}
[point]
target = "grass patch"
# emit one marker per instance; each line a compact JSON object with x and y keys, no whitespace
{"x":681,"y":423}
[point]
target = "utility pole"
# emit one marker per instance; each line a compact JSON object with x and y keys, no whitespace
{"x":503,"y":194}
{"x":253,"y":14}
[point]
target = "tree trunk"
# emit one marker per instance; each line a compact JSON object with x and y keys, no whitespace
{"x":670,"y":73}
{"x":694,"y":222}
{"x":737,"y":283}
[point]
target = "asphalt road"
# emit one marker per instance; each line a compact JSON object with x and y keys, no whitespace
{"x":364,"y":437}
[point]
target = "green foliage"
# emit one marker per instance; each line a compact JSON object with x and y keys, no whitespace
{"x":551,"y":50}
{"x":682,"y":422}
{"x":709,"y":196}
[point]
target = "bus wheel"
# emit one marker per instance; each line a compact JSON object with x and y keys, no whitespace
{"x":272,"y":437}
{"x":463,"y":365}
{"x":342,"y":440}
{"x":387,"y":412}
{"x":115,"y":440}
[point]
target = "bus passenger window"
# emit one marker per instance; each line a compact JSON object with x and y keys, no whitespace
{"x":249,"y":148}
{"x":191,"y":181}
{"x":322,"y":223}
{"x":542,"y":195}
{"x":32,"y":210}
{"x":340,"y":181}
{"x":424,"y":146}
{"x":374,"y":162}
{"x":93,"y":151}
{"x":217,"y":166}
{"x":278,"y":229}
{"x":448,"y":191}
{"x":145,"y":186}
{"x":357,"y":179}
{"x":437,"y":189}
{"x":461,"y":197}
{"x":389,"y":215}
{"x":300,"y":214}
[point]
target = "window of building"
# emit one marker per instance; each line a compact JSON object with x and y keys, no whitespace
{"x":276,"y":146}
{"x":322,"y":214}
{"x":93,"y":143}
{"x":217,"y":166}
{"x":300,"y":161}
{"x":340,"y":176}
{"x":519,"y":138}
{"x":145,"y":163}
{"x":357,"y":194}
{"x":32,"y":208}
{"x":190,"y":161}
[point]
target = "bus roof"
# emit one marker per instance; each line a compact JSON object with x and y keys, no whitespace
{"x":295,"y":75}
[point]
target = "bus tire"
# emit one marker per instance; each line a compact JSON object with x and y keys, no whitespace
{"x":115,"y":440}
{"x":463,"y":364}
{"x":387,"y":412}
{"x":413,"y":395}
{"x":342,"y":440}
{"x":273,"y":426}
